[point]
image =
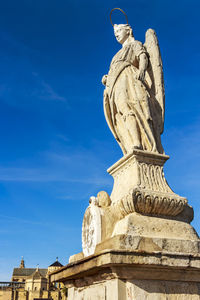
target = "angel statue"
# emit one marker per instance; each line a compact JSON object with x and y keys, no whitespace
{"x":134,"y":92}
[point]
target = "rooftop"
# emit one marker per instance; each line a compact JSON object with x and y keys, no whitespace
{"x":27,"y":271}
{"x":56,"y":264}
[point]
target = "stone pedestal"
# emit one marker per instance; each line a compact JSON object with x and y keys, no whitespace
{"x":132,"y":275}
{"x":142,"y":205}
{"x":140,"y":186}
{"x":138,"y":243}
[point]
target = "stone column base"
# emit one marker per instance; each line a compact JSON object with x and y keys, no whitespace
{"x":128,"y":275}
{"x":140,"y":186}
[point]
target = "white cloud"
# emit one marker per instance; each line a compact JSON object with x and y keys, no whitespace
{"x":45,"y":91}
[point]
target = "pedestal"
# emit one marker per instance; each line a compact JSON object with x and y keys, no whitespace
{"x":138,"y":243}
{"x":142,"y":206}
{"x":132,"y":275}
{"x":140,"y":186}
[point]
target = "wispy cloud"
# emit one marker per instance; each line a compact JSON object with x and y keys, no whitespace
{"x":80,"y":167}
{"x":30,"y":83}
{"x":45,"y":91}
{"x":39,"y":223}
{"x":63,"y":137}
{"x":22,"y":220}
{"x":42,"y":175}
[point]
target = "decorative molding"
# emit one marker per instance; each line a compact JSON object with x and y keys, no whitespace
{"x":140,"y":186}
{"x":151,"y":203}
{"x":152,"y":177}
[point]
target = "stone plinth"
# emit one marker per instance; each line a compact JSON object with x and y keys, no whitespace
{"x":137,"y":243}
{"x":140,"y":186}
{"x":128,"y":275}
{"x":142,"y":205}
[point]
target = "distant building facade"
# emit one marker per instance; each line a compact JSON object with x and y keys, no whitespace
{"x":32,"y":284}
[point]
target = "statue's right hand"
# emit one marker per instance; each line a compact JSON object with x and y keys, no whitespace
{"x":104,"y":79}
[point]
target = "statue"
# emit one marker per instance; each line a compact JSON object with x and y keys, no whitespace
{"x":134,"y":93}
{"x":141,"y":202}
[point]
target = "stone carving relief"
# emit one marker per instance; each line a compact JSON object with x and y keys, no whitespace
{"x":91,"y":228}
{"x":152,"y":177}
{"x":148,"y":202}
{"x":140,"y":186}
{"x":94,"y":222}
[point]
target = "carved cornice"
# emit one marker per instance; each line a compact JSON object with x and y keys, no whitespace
{"x":140,"y":186}
{"x":152,"y":203}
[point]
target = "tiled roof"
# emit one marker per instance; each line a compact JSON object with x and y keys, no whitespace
{"x":27,"y":271}
{"x":56,"y":264}
{"x":36,"y":275}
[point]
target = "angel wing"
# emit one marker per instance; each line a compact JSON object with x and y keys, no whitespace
{"x":155,"y":71}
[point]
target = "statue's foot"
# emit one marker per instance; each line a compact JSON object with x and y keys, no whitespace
{"x":137,"y":147}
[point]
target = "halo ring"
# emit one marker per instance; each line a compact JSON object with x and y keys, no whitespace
{"x":117,"y":8}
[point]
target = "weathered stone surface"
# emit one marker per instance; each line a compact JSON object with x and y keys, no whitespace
{"x":131,"y":264}
{"x":76,"y":257}
{"x":155,"y":227}
{"x":140,"y":185}
{"x":141,"y":204}
{"x":117,"y":289}
{"x":91,"y":229}
{"x":129,"y":242}
{"x":164,"y":290}
{"x":103,"y":199}
{"x":132,"y":275}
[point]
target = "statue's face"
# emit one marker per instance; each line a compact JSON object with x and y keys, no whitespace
{"x":121,"y":34}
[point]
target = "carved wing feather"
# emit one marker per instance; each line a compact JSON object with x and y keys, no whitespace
{"x":155,"y":71}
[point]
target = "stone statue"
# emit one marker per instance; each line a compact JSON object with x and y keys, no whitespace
{"x":134,"y":111}
{"x":137,"y":242}
{"x":134,"y":93}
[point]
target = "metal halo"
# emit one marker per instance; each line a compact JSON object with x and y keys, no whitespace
{"x":117,"y":8}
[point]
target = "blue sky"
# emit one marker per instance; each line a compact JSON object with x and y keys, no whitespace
{"x":55,"y":143}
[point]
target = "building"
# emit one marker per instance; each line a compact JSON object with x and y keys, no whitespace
{"x":32,"y":284}
{"x":55,"y":266}
{"x":36,"y":282}
{"x":21,"y":274}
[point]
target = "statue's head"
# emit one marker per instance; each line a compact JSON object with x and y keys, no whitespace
{"x":122,"y":32}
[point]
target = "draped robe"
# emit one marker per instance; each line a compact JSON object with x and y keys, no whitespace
{"x":125,"y":95}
